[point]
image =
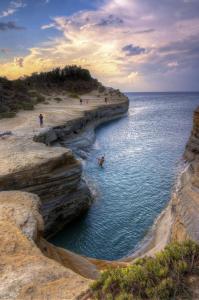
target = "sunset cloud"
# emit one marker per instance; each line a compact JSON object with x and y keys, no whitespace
{"x":12,"y":8}
{"x":127,"y":44}
{"x":9,"y":26}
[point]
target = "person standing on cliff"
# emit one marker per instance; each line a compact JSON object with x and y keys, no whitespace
{"x":41,"y":120}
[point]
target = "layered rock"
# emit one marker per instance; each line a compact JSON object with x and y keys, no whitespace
{"x":53,"y":173}
{"x":26,"y":273}
{"x":32,"y":268}
{"x":185,"y":204}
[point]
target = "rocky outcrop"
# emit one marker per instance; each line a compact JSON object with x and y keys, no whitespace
{"x":26,"y":273}
{"x":185,"y":204}
{"x":32,"y":268}
{"x":31,"y":163}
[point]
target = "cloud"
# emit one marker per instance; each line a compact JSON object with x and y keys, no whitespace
{"x":110,"y":21}
{"x":131,"y":50}
{"x":48,"y":26}
{"x":150,"y":30}
{"x":188,"y":45}
{"x":173,"y":64}
{"x":125,"y":43}
{"x":18,"y":61}
{"x":5,"y":50}
{"x":12,"y":8}
{"x":9,"y":26}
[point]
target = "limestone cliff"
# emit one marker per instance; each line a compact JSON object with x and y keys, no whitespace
{"x":25,"y":272}
{"x":185,"y":205}
{"x":32,"y":268}
{"x":53,"y":173}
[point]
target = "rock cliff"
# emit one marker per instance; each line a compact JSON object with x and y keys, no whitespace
{"x":25,"y":272}
{"x":185,"y":204}
{"x":32,"y":268}
{"x":53,"y":173}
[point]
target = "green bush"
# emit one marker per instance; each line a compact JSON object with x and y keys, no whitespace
{"x":40,"y":99}
{"x":162,"y":277}
{"x":9,"y":114}
{"x":73,"y":95}
{"x":27,"y":105}
{"x":101,"y":89}
{"x":58,"y":99}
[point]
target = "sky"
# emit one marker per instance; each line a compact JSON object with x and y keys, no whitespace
{"x":133,"y":45}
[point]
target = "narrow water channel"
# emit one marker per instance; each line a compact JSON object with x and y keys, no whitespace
{"x":143,"y":151}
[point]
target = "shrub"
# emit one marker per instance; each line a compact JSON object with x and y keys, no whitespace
{"x":9,"y":114}
{"x":58,"y":99}
{"x":162,"y":277}
{"x":101,"y":89}
{"x":40,"y":99}
{"x":73,"y":95}
{"x":27,"y":106}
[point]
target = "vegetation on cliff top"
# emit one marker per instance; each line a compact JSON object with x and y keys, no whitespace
{"x":26,"y":92}
{"x":71,"y":78}
{"x":163,"y":277}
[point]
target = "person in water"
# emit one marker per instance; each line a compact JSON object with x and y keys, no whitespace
{"x":41,"y":120}
{"x":101,"y":161}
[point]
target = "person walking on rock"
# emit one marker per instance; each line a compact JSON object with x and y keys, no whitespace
{"x":41,"y":120}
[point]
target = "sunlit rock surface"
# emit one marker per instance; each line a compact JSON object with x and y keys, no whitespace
{"x":36,"y":160}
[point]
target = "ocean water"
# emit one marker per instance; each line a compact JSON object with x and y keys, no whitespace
{"x":143,"y":152}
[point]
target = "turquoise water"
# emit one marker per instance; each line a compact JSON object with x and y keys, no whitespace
{"x":143,"y":151}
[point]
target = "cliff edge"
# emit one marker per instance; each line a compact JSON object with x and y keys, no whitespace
{"x":37,"y":159}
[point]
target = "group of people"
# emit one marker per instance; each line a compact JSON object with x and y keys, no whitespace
{"x":81,"y":100}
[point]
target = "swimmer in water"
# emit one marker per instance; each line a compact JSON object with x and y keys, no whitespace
{"x":101,"y":161}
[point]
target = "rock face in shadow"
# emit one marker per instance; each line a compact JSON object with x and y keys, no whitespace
{"x":54,"y":173}
{"x":56,"y":179}
{"x":185,"y":205}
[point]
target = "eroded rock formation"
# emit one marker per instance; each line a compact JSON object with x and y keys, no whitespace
{"x":185,"y":205}
{"x":29,"y":163}
{"x":25,"y":272}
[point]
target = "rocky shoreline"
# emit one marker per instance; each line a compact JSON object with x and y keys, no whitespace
{"x":53,"y":173}
{"x":180,"y":219}
{"x":31,"y":267}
